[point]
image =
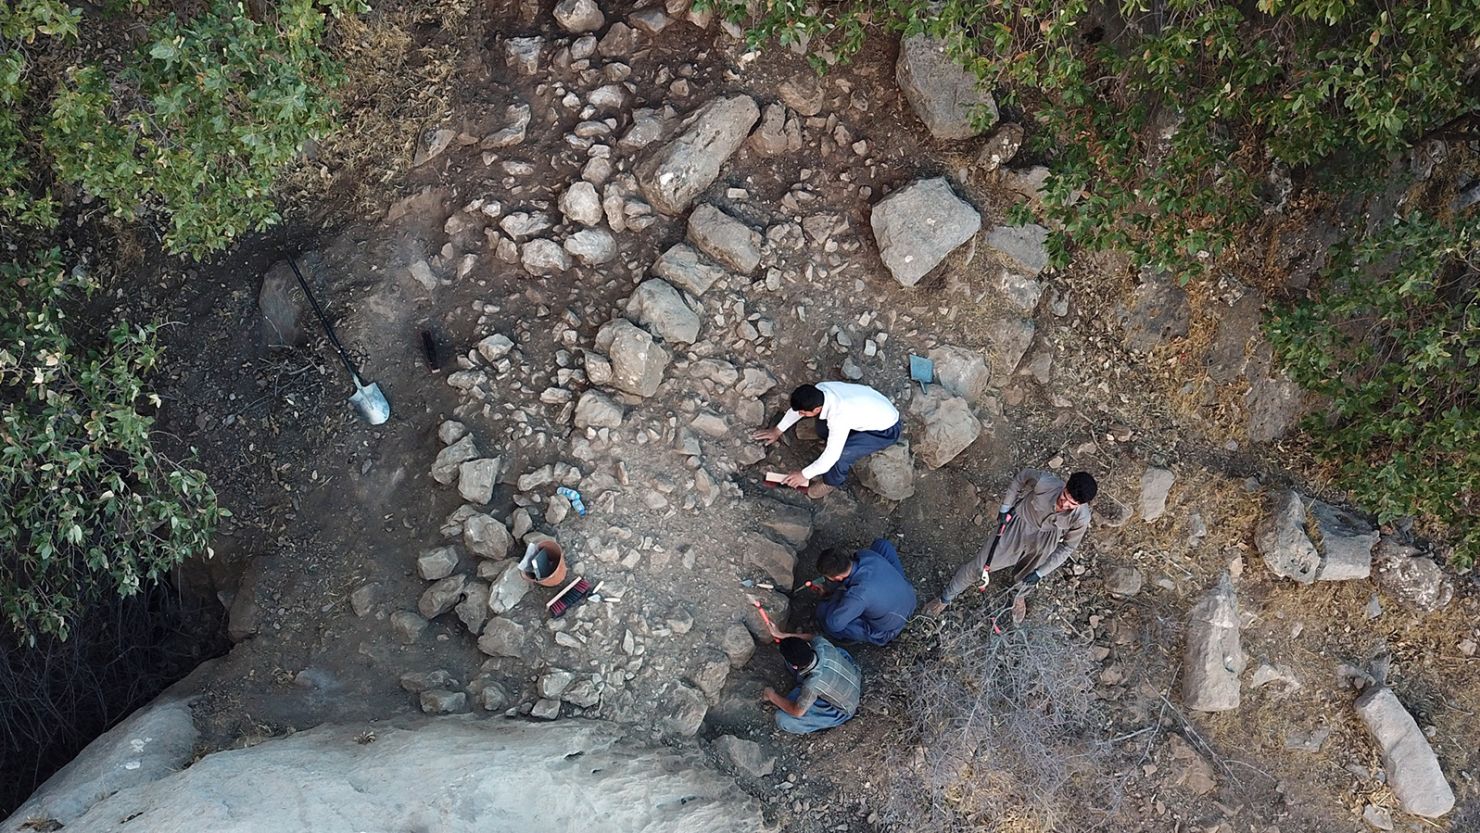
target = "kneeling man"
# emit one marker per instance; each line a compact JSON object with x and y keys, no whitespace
{"x":875,"y":598}
{"x":854,"y":420}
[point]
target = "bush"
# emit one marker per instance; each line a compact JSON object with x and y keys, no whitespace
{"x":1004,"y":734}
{"x":87,"y":504}
{"x":1393,"y":343}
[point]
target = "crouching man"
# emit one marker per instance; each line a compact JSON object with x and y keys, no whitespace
{"x":874,"y":599}
{"x":828,"y":687}
{"x":854,"y":420}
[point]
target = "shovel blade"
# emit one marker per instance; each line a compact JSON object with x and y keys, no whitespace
{"x":370,"y":404}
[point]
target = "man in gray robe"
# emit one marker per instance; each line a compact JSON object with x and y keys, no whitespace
{"x":1045,"y":520}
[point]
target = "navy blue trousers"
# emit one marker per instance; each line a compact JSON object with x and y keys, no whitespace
{"x":859,"y":445}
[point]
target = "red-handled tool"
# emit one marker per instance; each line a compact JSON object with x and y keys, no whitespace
{"x":770,"y":628}
{"x":987,"y":566}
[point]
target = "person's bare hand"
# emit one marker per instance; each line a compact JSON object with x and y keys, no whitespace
{"x":767,"y":694}
{"x":935,"y":607}
{"x":768,"y":436}
{"x":796,"y":480}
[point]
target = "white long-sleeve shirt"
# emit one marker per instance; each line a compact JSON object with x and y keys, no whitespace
{"x":846,"y":407}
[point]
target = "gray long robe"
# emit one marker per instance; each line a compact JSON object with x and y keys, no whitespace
{"x":1037,"y":540}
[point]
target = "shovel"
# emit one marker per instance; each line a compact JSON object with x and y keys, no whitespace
{"x":922,"y":370}
{"x":369,"y":403}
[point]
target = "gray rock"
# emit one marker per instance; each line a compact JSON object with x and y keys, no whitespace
{"x":1155,"y":484}
{"x":592,"y":246}
{"x":523,"y":54}
{"x":776,"y":560}
{"x":1109,"y":512}
{"x":1413,"y":771}
{"x":444,"y":468}
{"x":582,"y":693}
{"x":1416,"y":581}
{"x":597,"y":410}
{"x":407,"y":626}
{"x":1274,"y":404}
{"x":1378,"y":818}
{"x":494,"y":347}
{"x":581,"y":204}
{"x":507,"y":591}
{"x":681,"y":710}
{"x":476,"y":479}
{"x":493,"y":697}
{"x":579,"y":16}
{"x":1344,"y":542}
{"x":711,"y":676}
{"x":1023,"y":249}
{"x":1021,"y":291}
{"x":725,"y":238}
{"x":437,"y":564}
{"x":659,"y":307}
{"x":1010,"y":342}
{"x":1213,"y":659}
{"x":682,"y":266}
{"x":637,"y":362}
{"x":746,"y":756}
{"x":440,"y":701}
{"x":1030,"y":182}
{"x":1282,"y":541}
{"x":416,"y":682}
{"x":948,"y":427}
{"x":755,"y":382}
{"x":650,"y":20}
{"x":792,"y":524}
{"x":946,"y":96}
{"x":681,"y":170}
{"x":619,"y":41}
{"x":710,"y":424}
{"x":364,"y":599}
{"x":472,"y":611}
{"x":1001,"y":147}
{"x":522,"y":225}
{"x":890,"y":473}
{"x":737,"y":644}
{"x":441,"y":596}
{"x":961,"y":371}
{"x":1158,"y":312}
{"x":486,"y":536}
{"x":777,"y":134}
{"x":504,"y":638}
{"x":543,"y":257}
{"x":518,"y":116}
{"x":450,"y":431}
{"x":917,"y":226}
{"x":554,"y":682}
{"x":1124,"y":582}
{"x":544,"y":709}
{"x":803,"y":93}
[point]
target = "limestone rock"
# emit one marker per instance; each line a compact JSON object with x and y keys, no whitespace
{"x":472,"y":611}
{"x":1282,"y":541}
{"x":1274,"y":404}
{"x":476,"y":479}
{"x":776,"y":560}
{"x":1010,"y":342}
{"x":507,"y":590}
{"x":437,"y":564}
{"x":637,"y":362}
{"x":441,"y":701}
{"x":917,"y":226}
{"x":1158,"y":312}
{"x":592,"y":246}
{"x":725,"y":238}
{"x":681,"y":710}
{"x":1213,"y":658}
{"x":890,"y":473}
{"x":579,"y":16}
{"x":746,"y":756}
{"x":792,"y":524}
{"x":408,"y":626}
{"x":777,"y":134}
{"x":554,"y":682}
{"x":803,"y":93}
{"x":682,"y":266}
{"x":1416,"y":581}
{"x":1021,"y":290}
{"x":486,"y":536}
{"x":441,"y":596}
{"x":945,"y":95}
{"x":681,"y":170}
{"x":1124,"y":582}
{"x":961,"y":371}
{"x":1413,"y":771}
{"x":444,"y":468}
{"x":1155,"y":484}
{"x":580,"y":204}
{"x":597,"y":410}
{"x":504,"y":638}
{"x":659,"y":307}
{"x":543,"y":257}
{"x":523,"y":54}
{"x":738,"y":644}
{"x":1022,"y":248}
{"x":948,"y":427}
{"x":1344,"y":542}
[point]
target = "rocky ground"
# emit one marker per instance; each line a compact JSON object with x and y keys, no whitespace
{"x":607,"y":264}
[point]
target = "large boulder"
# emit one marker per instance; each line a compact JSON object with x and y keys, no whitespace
{"x":947,"y":427}
{"x":890,"y":473}
{"x":946,"y":96}
{"x":450,"y":774}
{"x":656,"y":305}
{"x":637,"y":362}
{"x":961,"y":371}
{"x":1282,"y":541}
{"x":1213,"y":658}
{"x":917,"y":226}
{"x":725,"y":238}
{"x":1413,"y":771}
{"x":682,"y":169}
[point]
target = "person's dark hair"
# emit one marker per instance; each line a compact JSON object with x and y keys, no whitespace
{"x":797,"y":652}
{"x":833,"y":562}
{"x":806,"y":397}
{"x":1082,"y":487}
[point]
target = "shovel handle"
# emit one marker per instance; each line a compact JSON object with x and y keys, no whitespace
{"x":324,"y":320}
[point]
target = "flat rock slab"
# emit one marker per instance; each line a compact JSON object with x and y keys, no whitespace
{"x":683,"y":266}
{"x":661,"y":308}
{"x":1413,"y":771}
{"x":1344,"y":542}
{"x":725,"y":238}
{"x":1213,"y":658}
{"x":776,"y":560}
{"x":1155,"y":484}
{"x":1157,"y":313}
{"x":961,"y":371}
{"x":917,"y":226}
{"x":1024,"y":249}
{"x":946,"y":96}
{"x":673,"y":176}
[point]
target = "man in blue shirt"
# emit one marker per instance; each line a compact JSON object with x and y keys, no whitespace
{"x":875,"y":598}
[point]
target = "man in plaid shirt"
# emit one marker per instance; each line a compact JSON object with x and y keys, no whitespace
{"x":828,"y":688}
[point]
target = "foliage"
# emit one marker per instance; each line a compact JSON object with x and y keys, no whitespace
{"x":88,"y":506}
{"x":193,"y":125}
{"x":1393,"y":343}
{"x":1165,"y":119}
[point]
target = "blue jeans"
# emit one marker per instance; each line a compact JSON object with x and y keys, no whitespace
{"x":859,"y":445}
{"x":822,"y":715}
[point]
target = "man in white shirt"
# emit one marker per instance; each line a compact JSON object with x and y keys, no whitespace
{"x":855,"y":420}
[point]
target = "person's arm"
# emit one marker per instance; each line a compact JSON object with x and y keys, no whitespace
{"x":1072,"y":537}
{"x":1027,"y":478}
{"x":849,"y":606}
{"x":788,"y":419}
{"x":794,"y":709}
{"x":886,"y":549}
{"x":836,"y":437}
{"x":966,"y":574}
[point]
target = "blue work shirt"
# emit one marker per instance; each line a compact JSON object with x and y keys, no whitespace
{"x":874,"y":601}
